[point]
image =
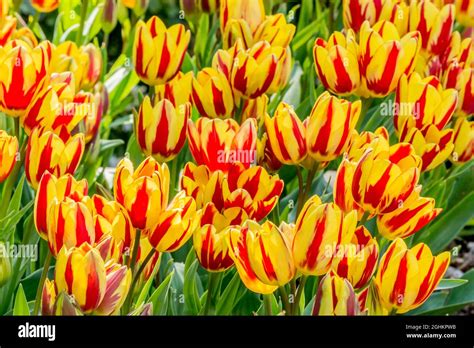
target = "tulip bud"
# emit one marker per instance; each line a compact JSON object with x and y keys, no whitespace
{"x":463,"y":140}
{"x":49,"y":188}
{"x":407,"y":277}
{"x":465,"y":12}
{"x":335,"y":296}
{"x":117,"y":283}
{"x":177,"y":91}
{"x":336,"y":63}
{"x":262,"y":256}
{"x":8,"y":153}
{"x":266,"y":155}
{"x":286,"y":135}
{"x":355,"y":12}
{"x":330,"y":126}
{"x":92,"y":67}
{"x":159,"y":51}
{"x":275,"y":30}
{"x":175,"y":225}
{"x":161,"y":128}
{"x":212,"y":94}
{"x":369,"y":301}
{"x":5,"y":265}
{"x":357,"y":260}
{"x":463,"y":81}
{"x":321,"y":229}
{"x":48,"y":152}
{"x":109,"y":16}
{"x":7,"y":29}
{"x":143,"y":192}
{"x":48,"y":297}
{"x":45,"y":6}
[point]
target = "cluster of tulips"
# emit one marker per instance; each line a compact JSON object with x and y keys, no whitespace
{"x":222,"y":199}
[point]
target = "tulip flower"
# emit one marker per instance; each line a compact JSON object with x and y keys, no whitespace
{"x":51,"y":187}
{"x":53,"y":108}
{"x":69,"y":224}
{"x":275,"y":30}
{"x":286,"y":135}
{"x":92,"y":67}
{"x":384,"y":180}
{"x":109,"y":16}
{"x":336,"y":63}
{"x":369,"y":301}
{"x":422,"y":102}
{"x":48,"y":297}
{"x":255,"y":108}
{"x":262,"y":256}
{"x":143,"y":192}
{"x":465,"y":12}
{"x":384,"y":57}
{"x":355,"y":12}
{"x":4,"y":8}
{"x":335,"y":296}
{"x":8,"y":154}
{"x":161,"y":128}
{"x":256,"y":70}
{"x":463,"y":140}
{"x":212,"y":94}
{"x":48,"y":152}
{"x":98,"y":107}
{"x":463,"y":81}
{"x":24,"y":70}
{"x":320,"y":230}
{"x":435,"y":25}
{"x":432,"y":145}
{"x":412,"y":216}
{"x":111,"y":220}
{"x":175,"y":225}
{"x":224,"y":60}
{"x":7,"y":28}
{"x":357,"y":261}
{"x":210,"y":240}
{"x":219,"y":143}
{"x":139,"y":7}
{"x":329,"y":127}
{"x":68,"y":57}
{"x":117,"y":283}
{"x":158,"y":51}
{"x":45,"y":6}
{"x":360,"y":142}
{"x":266,"y":155}
{"x":177,"y":91}
{"x":407,"y":277}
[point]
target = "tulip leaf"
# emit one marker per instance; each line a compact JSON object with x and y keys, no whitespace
{"x":93,"y":24}
{"x":448,"y":225}
{"x":231,"y":296}
{"x":160,"y":297}
{"x":447,"y":284}
{"x":21,"y":305}
{"x":191,"y":294}
{"x":108,"y":144}
{"x":30,"y":283}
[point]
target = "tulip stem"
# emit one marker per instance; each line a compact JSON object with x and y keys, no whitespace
{"x":309,"y":180}
{"x":39,"y":291}
{"x":284,"y":299}
{"x":267,"y":303}
{"x":85,"y":6}
{"x":136,"y":246}
{"x":364,"y":219}
{"x":213,"y":280}
{"x":301,"y":192}
{"x":299,"y":292}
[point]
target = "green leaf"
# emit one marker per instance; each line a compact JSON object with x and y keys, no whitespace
{"x":21,"y":305}
{"x":231,"y":296}
{"x":191,"y":294}
{"x":30,"y":283}
{"x":160,"y":297}
{"x":107,"y":144}
{"x":93,"y":24}
{"x":446,"y":284}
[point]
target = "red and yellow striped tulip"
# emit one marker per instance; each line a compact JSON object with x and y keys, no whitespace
{"x":336,"y":62}
{"x":69,"y":224}
{"x":355,"y":12}
{"x":212,"y":94}
{"x":61,"y":188}
{"x":275,"y":30}
{"x":385,"y":179}
{"x":8,"y":154}
{"x":330,"y":126}
{"x":258,"y":70}
{"x":45,"y":6}
{"x":4,"y":8}
{"x":335,"y":296}
{"x":158,"y":51}
{"x":463,"y":81}
{"x":412,"y":216}
{"x":266,"y":155}
{"x":463,"y":140}
{"x":92,"y":67}
{"x":53,"y":107}
{"x":435,"y":25}
{"x":161,"y":128}
{"x":47,"y":152}
{"x":465,"y":12}
{"x":175,"y":225}
{"x":97,"y":109}
{"x":286,"y":135}
{"x":262,"y":256}
{"x":219,"y":143}
{"x":434,"y":146}
{"x":407,"y":277}
{"x":48,"y":297}
{"x":80,"y":272}
{"x":423,"y":101}
{"x":357,"y":260}
{"x":7,"y":24}
{"x":67,"y":56}
{"x":143,"y":192}
{"x":255,"y":108}
{"x":178,"y":90}
{"x":321,"y":229}
{"x":111,"y":220}
{"x":23,"y":71}
{"x":223,"y":60}
{"x":118,"y":279}
{"x":369,"y":301}
{"x":381,"y":46}
{"x":360,"y":142}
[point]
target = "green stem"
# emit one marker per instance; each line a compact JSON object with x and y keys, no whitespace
{"x":284,"y":300}
{"x":174,"y":170}
{"x":366,"y":103}
{"x":213,"y":281}
{"x":39,"y":291}
{"x":267,"y":303}
{"x":309,"y":180}
{"x":364,"y":219}
{"x":301,"y":191}
{"x":85,"y":5}
{"x":299,"y":292}
{"x":136,"y":246}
